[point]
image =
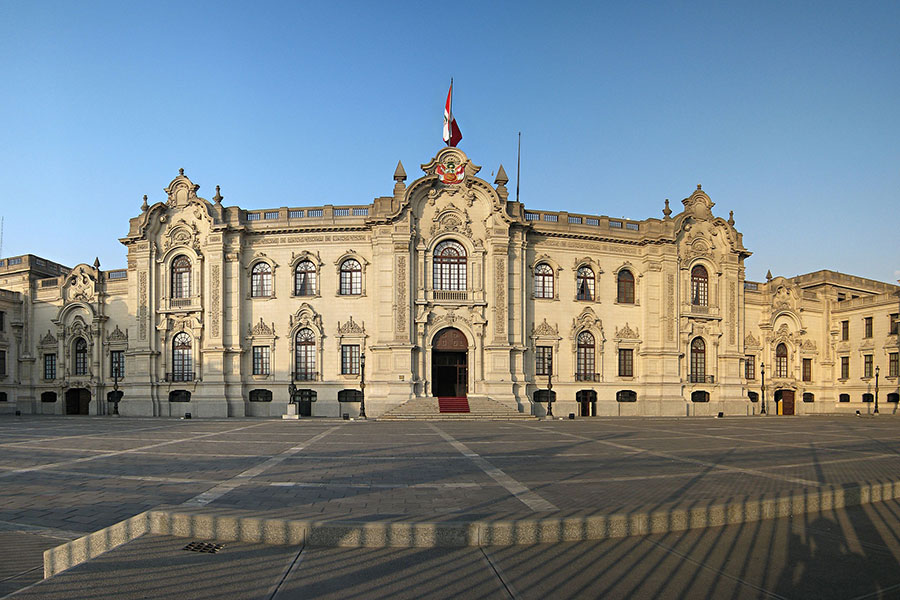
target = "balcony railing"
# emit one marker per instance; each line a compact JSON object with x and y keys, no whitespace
{"x":180,"y":302}
{"x":694,"y":378}
{"x":306,"y":376}
{"x":181,"y":376}
{"x":451,"y":295}
{"x":697,"y":309}
{"x":587,"y":377}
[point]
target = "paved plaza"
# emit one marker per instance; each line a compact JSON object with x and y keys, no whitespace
{"x":61,"y":478}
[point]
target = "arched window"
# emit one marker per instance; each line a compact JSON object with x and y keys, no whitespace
{"x":584,"y":364}
{"x":699,"y":286}
{"x":305,"y":355}
{"x":450,"y":266}
{"x":698,"y":360}
{"x":261,"y":280}
{"x":625,"y":285}
{"x":182,"y":359}
{"x":305,"y":279}
{"x":181,"y":277}
{"x":700,"y":396}
{"x":781,"y":361}
{"x":81,"y":357}
{"x":754,"y":396}
{"x":543,"y":281}
{"x":351,"y":278}
{"x":585,"y":284}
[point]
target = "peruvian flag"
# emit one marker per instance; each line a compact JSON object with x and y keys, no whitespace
{"x":452,"y":134}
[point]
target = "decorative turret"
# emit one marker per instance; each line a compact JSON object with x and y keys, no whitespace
{"x":501,"y":180}
{"x":399,"y":179}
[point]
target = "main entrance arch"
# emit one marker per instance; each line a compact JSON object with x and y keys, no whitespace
{"x":78,"y":401}
{"x":449,"y":364}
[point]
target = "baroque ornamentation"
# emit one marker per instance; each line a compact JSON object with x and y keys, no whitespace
{"x":214,"y":308}
{"x":81,"y":285}
{"x":401,"y":293}
{"x":261,"y":329}
{"x":627,"y":333}
{"x":500,"y":325}
{"x":545,"y":329}
{"x":750,"y":341}
{"x":117,"y":335}
{"x":142,"y":309}
{"x":351,"y":326}
{"x":48,"y":340}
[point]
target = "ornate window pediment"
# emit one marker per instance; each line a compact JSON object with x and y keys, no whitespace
{"x":48,"y":341}
{"x":627,"y":333}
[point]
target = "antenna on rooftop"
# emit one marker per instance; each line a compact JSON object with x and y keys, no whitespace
{"x":1,"y":237}
{"x":518,"y":165}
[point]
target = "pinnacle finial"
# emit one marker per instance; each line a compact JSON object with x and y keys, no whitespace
{"x":731,"y":218}
{"x":97,"y":262}
{"x":699,"y":187}
{"x":769,"y":275}
{"x":502,"y":178}
{"x":181,"y":171}
{"x":218,"y":197}
{"x":399,"y":172}
{"x":667,"y":211}
{"x":144,"y":206}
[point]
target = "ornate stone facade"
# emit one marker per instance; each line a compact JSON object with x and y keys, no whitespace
{"x":221,"y":309}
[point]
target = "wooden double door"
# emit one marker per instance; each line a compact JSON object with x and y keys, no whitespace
{"x":785,"y":401}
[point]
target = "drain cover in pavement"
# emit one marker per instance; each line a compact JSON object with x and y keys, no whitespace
{"x":207,"y":547}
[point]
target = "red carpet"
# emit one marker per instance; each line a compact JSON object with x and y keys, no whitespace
{"x":453,"y":405}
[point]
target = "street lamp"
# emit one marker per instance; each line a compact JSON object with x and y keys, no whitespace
{"x":116,"y":390}
{"x":550,"y":387}
{"x":362,"y":385}
{"x":877,"y":370}
{"x":762,"y":372}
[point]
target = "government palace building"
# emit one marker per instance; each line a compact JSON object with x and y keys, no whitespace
{"x":444,"y":289}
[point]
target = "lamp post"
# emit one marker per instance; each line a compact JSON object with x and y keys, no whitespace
{"x":762,"y":372}
{"x":550,"y":388}
{"x":116,"y":390}
{"x":877,"y":370}
{"x":362,"y":385}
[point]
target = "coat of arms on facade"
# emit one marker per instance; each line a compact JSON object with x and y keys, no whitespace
{"x":450,"y":171}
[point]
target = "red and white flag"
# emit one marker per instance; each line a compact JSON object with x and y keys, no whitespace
{"x":452,"y":134}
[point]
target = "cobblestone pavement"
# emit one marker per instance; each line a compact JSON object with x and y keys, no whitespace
{"x":79,"y":474}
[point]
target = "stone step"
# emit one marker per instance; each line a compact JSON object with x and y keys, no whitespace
{"x":480,"y":408}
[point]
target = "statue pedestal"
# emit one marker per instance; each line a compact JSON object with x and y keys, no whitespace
{"x":291,"y":412}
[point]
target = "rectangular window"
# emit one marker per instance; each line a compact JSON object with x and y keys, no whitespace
{"x":2,"y":363}
{"x":845,"y":331}
{"x":895,"y":324}
{"x":350,"y":359}
{"x":117,"y":364}
{"x":2,"y":320}
{"x":49,"y":366}
{"x":867,"y":365}
{"x":868,"y":326}
{"x":543,"y":360}
{"x":845,"y":367}
{"x":894,"y":364}
{"x":260,"y":360}
{"x":626,"y":362}
{"x":750,"y":367}
{"x":807,"y":369}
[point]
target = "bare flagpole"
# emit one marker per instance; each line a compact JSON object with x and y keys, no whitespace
{"x":518,"y":165}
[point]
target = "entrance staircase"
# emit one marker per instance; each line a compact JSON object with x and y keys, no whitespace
{"x":472,"y":408}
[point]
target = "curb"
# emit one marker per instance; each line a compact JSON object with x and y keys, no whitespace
{"x":224,"y":527}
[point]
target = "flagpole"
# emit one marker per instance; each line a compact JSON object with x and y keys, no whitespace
{"x":518,"y":165}
{"x":450,"y":115}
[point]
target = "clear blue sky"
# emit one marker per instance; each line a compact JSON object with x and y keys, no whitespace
{"x":786,"y":112}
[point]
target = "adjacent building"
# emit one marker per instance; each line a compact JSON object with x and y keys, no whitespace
{"x":446,"y":287}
